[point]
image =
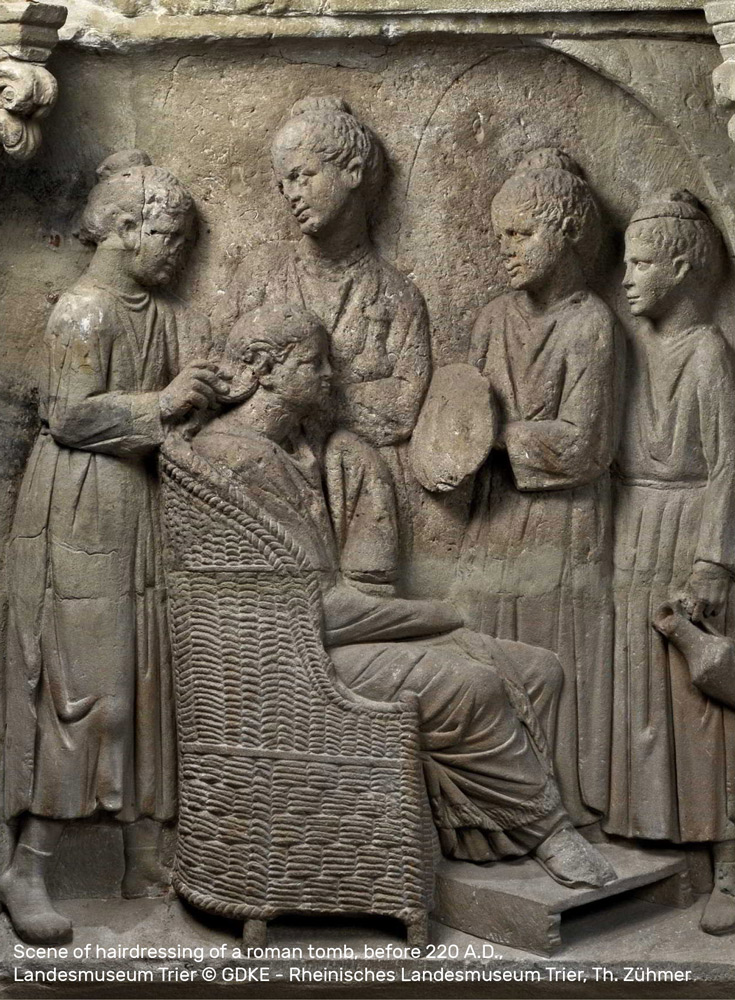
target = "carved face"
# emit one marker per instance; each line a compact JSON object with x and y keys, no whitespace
{"x":161,"y":250}
{"x":652,"y":276}
{"x":317,"y":190}
{"x":532,"y":249}
{"x":303,"y":380}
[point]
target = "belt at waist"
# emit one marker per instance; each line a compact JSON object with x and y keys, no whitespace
{"x":663,"y":484}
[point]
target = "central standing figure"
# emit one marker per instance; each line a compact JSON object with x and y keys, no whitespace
{"x":535,"y":564}
{"x":329,"y":168}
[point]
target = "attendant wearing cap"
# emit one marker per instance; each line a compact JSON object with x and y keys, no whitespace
{"x":673,"y":751}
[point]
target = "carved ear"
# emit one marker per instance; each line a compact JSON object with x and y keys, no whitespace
{"x":682,"y":267}
{"x":570,"y":229}
{"x":355,"y":170}
{"x":260,"y":361}
{"x":127,"y":230}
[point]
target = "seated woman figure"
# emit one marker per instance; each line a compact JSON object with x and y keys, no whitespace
{"x":488,"y":771}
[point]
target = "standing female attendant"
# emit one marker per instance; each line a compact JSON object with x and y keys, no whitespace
{"x":535,"y":561}
{"x":89,"y":702}
{"x":329,"y":168}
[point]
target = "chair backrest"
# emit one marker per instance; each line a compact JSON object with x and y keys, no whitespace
{"x":294,"y":793}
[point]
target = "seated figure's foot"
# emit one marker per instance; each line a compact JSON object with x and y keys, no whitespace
{"x":30,"y":909}
{"x":144,"y":875}
{"x":570,"y":860}
{"x":719,"y":913}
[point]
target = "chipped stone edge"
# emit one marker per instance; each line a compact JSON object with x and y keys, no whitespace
{"x":93,"y":28}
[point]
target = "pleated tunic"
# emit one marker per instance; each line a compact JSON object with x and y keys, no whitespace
{"x":90,"y":722}
{"x":535,"y":564}
{"x":673,"y":751}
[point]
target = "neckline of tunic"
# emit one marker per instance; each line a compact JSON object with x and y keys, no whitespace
{"x":525,"y":302}
{"x":135,"y":302}
{"x":651,"y":336}
{"x":322,"y":267}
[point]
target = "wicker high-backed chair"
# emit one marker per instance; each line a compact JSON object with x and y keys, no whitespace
{"x":295,"y":795}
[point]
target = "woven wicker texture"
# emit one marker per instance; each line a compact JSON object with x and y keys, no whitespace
{"x":295,"y":795}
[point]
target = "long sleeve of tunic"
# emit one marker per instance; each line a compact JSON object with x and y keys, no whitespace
{"x":554,"y":375}
{"x":83,"y":408}
{"x":716,"y":399}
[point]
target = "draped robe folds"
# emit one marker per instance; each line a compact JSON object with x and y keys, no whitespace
{"x":89,"y":700}
{"x":482,"y":702}
{"x":535,"y":564}
{"x":673,"y":751}
{"x":380,"y":350}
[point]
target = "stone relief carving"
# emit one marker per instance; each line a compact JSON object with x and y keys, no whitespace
{"x":481,"y":702}
{"x":88,"y":684}
{"x":674,"y":542}
{"x":721,"y":15}
{"x":330,"y":170}
{"x":535,"y":560}
{"x":28,"y":91}
{"x":27,"y":94}
{"x":282,"y":491}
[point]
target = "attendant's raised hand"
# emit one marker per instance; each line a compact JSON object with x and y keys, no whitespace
{"x":199,"y":386}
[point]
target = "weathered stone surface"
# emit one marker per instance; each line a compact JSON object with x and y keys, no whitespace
{"x":515,"y":905}
{"x":321,"y":490}
{"x":127,"y":26}
{"x":456,"y":428}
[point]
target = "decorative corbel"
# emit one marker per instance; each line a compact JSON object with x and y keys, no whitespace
{"x":28,"y":33}
{"x":721,"y":15}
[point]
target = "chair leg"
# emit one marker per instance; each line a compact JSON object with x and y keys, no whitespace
{"x":255,"y":933}
{"x":417,"y":931}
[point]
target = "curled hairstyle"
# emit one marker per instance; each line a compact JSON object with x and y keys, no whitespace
{"x":262,"y":339}
{"x":128,"y":183}
{"x":678,"y":225}
{"x":550,"y":185}
{"x":327,"y":126}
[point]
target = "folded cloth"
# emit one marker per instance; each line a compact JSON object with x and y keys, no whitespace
{"x":352,"y":616}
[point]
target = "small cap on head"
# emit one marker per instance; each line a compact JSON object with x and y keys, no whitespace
{"x":122,"y":162}
{"x":671,"y":204}
{"x":315,"y":104}
{"x":549,"y":158}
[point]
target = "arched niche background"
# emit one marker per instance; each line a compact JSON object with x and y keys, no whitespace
{"x":634,"y":111}
{"x":508,"y":103}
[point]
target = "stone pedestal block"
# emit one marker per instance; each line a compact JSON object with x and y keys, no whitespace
{"x":515,"y":902}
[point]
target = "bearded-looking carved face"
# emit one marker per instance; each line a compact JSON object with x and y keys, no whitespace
{"x":317,"y":190}
{"x":652,"y":275}
{"x":531,"y":248}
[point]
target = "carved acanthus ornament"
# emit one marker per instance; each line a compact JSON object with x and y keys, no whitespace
{"x":28,"y":33}
{"x":721,"y":15}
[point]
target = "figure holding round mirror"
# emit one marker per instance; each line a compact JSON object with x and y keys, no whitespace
{"x":535,"y":559}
